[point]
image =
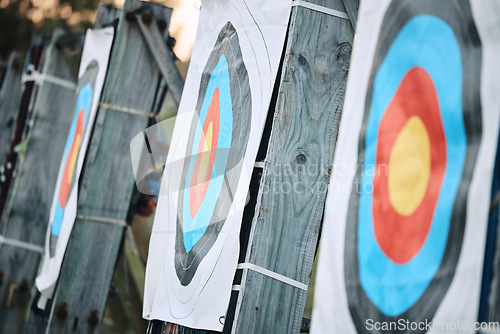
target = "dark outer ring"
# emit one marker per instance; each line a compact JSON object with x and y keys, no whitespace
{"x":458,"y":15}
{"x":227,"y":44}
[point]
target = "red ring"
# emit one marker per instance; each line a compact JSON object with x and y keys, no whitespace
{"x":402,"y":237}
{"x":198,"y":191}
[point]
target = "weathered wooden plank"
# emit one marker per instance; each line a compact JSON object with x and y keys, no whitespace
{"x":106,"y":15}
{"x":163,"y":55}
{"x":352,"y":7}
{"x":36,"y":319}
{"x":10,"y":98}
{"x":291,"y":199}
{"x":28,"y":208}
{"x":33,"y":60}
{"x":107,"y":180}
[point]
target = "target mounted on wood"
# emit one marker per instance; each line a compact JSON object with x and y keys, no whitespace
{"x":82,"y":112}
{"x":195,"y":239}
{"x":218,"y":139}
{"x":92,"y":72}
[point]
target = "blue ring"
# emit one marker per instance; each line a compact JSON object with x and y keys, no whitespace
{"x":84,"y":101}
{"x":428,"y":42}
{"x":194,"y":228}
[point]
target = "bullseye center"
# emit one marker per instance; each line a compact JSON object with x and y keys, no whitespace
{"x":409,"y":167}
{"x":69,"y":167}
{"x":74,"y":155}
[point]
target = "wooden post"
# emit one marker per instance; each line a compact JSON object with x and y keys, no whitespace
{"x":282,"y":236}
{"x":27,"y":213}
{"x":163,"y":56}
{"x":129,"y":97}
{"x":106,"y":15}
{"x":33,"y":60}
{"x":352,"y":7}
{"x":291,"y":199}
{"x":10,"y":97}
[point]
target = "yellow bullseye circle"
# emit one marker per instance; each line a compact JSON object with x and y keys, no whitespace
{"x":409,"y":167}
{"x":73,"y":157}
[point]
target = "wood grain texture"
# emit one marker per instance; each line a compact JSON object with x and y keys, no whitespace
{"x":292,"y":193}
{"x":10,"y":98}
{"x":352,"y":7}
{"x":33,"y":190}
{"x":107,"y":179}
{"x":106,"y":15}
{"x":164,"y":56}
{"x":36,"y":322}
{"x":20,"y":127}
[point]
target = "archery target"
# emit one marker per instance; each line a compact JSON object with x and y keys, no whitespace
{"x":73,"y":142}
{"x":91,"y":75}
{"x":417,"y":151}
{"x":194,"y":242}
{"x":218,"y":138}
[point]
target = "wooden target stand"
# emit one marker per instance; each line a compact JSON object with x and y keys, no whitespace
{"x":127,"y":106}
{"x":280,"y":229}
{"x":25,"y":196}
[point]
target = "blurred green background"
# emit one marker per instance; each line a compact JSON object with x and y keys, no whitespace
{"x":20,"y":18}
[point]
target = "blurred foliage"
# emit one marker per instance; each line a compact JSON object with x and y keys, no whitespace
{"x":15,"y":29}
{"x":79,"y":5}
{"x":20,"y":18}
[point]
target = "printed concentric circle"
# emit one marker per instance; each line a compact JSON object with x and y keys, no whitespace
{"x":417,"y":151}
{"x":217,"y":140}
{"x":83,"y":105}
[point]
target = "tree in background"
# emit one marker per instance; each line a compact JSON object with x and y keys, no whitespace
{"x":20,"y":18}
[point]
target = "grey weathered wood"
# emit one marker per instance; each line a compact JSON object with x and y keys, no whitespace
{"x":10,"y":97}
{"x":106,"y":14}
{"x":107,"y":180}
{"x":352,"y":7}
{"x":34,"y":187}
{"x":163,"y":55}
{"x":292,"y":193}
{"x":34,"y":59}
{"x":36,"y":323}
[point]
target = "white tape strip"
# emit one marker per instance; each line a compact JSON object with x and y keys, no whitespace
{"x":21,"y":244}
{"x":126,"y":110}
{"x":259,"y":164}
{"x":273,"y":275}
{"x":236,"y":288}
{"x":38,"y":77}
{"x":103,"y":220}
{"x":320,"y":9}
